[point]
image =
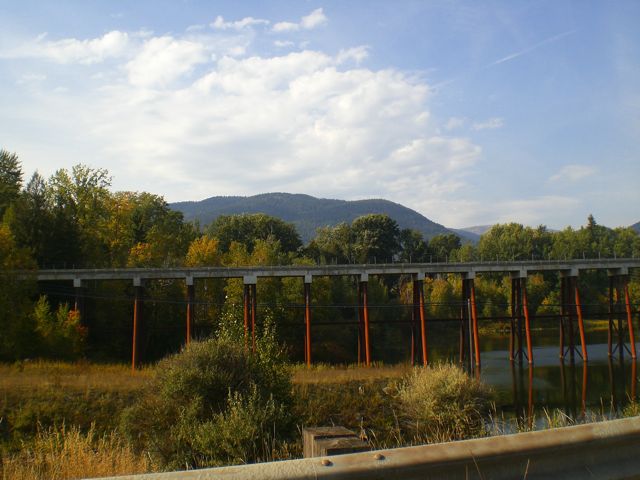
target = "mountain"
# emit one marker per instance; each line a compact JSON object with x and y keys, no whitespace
{"x":466,"y":235}
{"x":307,"y":213}
{"x":636,"y":227}
{"x":477,"y":230}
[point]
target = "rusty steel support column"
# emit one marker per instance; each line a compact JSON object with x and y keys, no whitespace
{"x":464,"y":321}
{"x":360,"y":326}
{"x":512,"y":340}
{"x":634,"y":380}
{"x":190,"y":307}
{"x":254,"y":313}
{"x":584,"y":389}
{"x":307,"y":319}
{"x":610,"y":329}
{"x":474,"y":321}
{"x":246,"y":312}
{"x":414,"y":316}
{"x":570,"y":310}
{"x":621,"y":345}
{"x":563,"y":312}
{"x":627,"y":302}
{"x":517,"y":313}
{"x":530,"y":404}
{"x":527,"y":320}
{"x":423,"y":325}
{"x":79,"y":303}
{"x":365,"y":310}
{"x":137,"y":322}
{"x":583,"y":342}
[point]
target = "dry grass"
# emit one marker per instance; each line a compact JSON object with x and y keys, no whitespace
{"x":81,"y":376}
{"x":69,"y":454}
{"x":339,"y":374}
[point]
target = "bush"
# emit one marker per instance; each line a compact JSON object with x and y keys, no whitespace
{"x":443,"y":403}
{"x":214,"y":403}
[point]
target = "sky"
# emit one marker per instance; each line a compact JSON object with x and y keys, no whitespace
{"x":470,"y":112}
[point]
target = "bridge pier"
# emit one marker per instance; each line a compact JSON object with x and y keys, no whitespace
{"x":470,"y":314}
{"x":418,"y":287}
{"x":571,"y":308}
{"x":520,"y":315}
{"x":78,"y":301}
{"x":363,"y":321}
{"x":190,"y":306}
{"x":250,"y":309}
{"x":137,"y":321}
{"x":307,"y":319}
{"x":619,"y":289}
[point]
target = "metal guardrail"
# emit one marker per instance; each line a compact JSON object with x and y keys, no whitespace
{"x":604,"y":450}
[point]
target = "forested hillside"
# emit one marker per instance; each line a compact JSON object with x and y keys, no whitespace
{"x":307,"y":213}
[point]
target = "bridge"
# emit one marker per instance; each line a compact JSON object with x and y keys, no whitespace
{"x":520,"y":341}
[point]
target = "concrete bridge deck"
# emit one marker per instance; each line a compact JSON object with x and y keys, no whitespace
{"x":615,"y":266}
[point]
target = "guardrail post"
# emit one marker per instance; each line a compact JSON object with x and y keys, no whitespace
{"x":137,"y":321}
{"x":307,"y":319}
{"x":190,"y":301}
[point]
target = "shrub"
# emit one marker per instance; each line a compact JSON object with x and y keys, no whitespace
{"x":443,"y":403}
{"x":214,"y":403}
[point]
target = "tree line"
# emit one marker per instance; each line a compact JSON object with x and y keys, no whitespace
{"x":74,"y":220}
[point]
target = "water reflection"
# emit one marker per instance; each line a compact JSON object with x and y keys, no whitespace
{"x":575,"y":388}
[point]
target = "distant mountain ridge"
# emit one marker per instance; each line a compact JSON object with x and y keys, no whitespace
{"x":307,"y":213}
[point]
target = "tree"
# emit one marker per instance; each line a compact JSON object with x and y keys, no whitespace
{"x":248,"y":228}
{"x":10,"y":179}
{"x":376,"y":238}
{"x":442,"y":246}
{"x":332,"y":243}
{"x":413,"y":247}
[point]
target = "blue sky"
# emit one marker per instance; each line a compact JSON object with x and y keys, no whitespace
{"x":469,"y":112}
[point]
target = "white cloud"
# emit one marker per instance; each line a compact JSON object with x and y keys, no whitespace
{"x":220,"y":24}
{"x":490,"y":124}
{"x":70,"y":50}
{"x":283,"y":43}
{"x":356,"y":54}
{"x":573,"y":173}
{"x":315,"y":19}
{"x":455,"y":123}
{"x":169,"y":119}
{"x":163,"y":60}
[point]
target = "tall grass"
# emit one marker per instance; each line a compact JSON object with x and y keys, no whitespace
{"x":67,"y":453}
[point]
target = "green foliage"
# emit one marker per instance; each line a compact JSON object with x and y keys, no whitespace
{"x":514,"y":241}
{"x":10,"y":179}
{"x":443,"y":247}
{"x":376,"y":238}
{"x":443,"y":403}
{"x":60,"y":333}
{"x":247,"y":229}
{"x":214,"y":403}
